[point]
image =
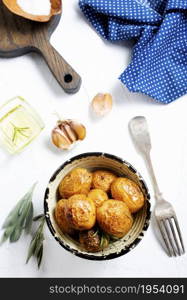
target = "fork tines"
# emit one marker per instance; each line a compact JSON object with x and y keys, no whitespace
{"x":170,"y":231}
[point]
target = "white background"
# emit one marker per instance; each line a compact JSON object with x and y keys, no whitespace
{"x":99,"y":63}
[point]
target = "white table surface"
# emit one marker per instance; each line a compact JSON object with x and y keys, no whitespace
{"x":99,"y":63}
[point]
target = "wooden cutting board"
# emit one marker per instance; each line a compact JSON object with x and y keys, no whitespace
{"x":19,"y":36}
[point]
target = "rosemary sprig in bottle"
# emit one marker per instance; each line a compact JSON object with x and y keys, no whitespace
{"x":19,"y":131}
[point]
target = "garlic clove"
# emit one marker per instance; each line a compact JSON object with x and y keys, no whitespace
{"x":32,"y":10}
{"x":102,"y":104}
{"x":60,"y":140}
{"x":79,"y":129}
{"x":67,"y":133}
{"x":70,"y":133}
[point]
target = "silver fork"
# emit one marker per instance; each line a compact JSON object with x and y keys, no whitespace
{"x":164,"y":212}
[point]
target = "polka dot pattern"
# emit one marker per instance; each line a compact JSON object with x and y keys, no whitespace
{"x":159,"y":60}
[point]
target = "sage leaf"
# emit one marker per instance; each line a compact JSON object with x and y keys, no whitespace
{"x":23,"y":217}
{"x":37,"y":218}
{"x":28,"y":196}
{"x":36,"y":244}
{"x":39,"y":244}
{"x":10,"y":220}
{"x":15,"y":235}
{"x":39,"y":256}
{"x":31,"y":250}
{"x":19,"y":218}
{"x":29,"y":218}
{"x":6,"y":234}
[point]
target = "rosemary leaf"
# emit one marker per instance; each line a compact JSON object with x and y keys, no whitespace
{"x":23,"y":134}
{"x":14,"y":135}
{"x":96,"y":232}
{"x":18,"y":131}
{"x":102,"y":241}
{"x":23,"y":128}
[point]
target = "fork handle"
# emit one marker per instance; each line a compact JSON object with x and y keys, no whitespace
{"x":147,"y":158}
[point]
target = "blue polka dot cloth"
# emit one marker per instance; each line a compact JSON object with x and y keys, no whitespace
{"x":159,"y":60}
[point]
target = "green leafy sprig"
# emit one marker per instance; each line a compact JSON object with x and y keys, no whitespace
{"x":36,"y":244}
{"x":19,"y":219}
{"x":104,"y":238}
{"x":19,"y":131}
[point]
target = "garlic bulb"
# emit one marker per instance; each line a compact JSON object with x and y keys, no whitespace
{"x":67,"y":133}
{"x":102,"y":104}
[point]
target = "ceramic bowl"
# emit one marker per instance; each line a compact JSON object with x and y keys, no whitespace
{"x":94,"y":161}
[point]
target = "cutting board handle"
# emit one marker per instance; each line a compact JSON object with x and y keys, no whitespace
{"x":69,"y":80}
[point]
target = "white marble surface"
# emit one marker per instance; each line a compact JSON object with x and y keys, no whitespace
{"x":99,"y":64}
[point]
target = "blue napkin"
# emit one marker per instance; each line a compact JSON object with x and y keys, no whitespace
{"x":159,"y":60}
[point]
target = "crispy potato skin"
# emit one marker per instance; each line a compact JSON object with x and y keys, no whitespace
{"x":80,"y":211}
{"x":128,"y":191}
{"x":114,"y":218}
{"x":78,"y":181}
{"x":98,"y":196}
{"x":102,"y":180}
{"x":61,"y":219}
{"x":85,"y":204}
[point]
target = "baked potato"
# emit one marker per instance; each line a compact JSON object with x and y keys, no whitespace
{"x":80,"y":212}
{"x":114,"y":218}
{"x":102,"y":180}
{"x":92,"y":241}
{"x":128,"y":191}
{"x":61,"y":219}
{"x":78,"y":181}
{"x":98,"y":196}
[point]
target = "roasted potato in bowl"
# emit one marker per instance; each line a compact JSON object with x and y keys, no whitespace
{"x":80,"y":212}
{"x":93,"y":162}
{"x":128,"y":191}
{"x":98,"y":196}
{"x":102,"y":179}
{"x":114,"y":218}
{"x":61,"y":218}
{"x":78,"y":181}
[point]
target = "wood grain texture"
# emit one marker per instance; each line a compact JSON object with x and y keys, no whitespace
{"x":19,"y":36}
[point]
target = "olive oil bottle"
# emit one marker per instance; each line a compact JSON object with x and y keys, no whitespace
{"x":19,"y":124}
